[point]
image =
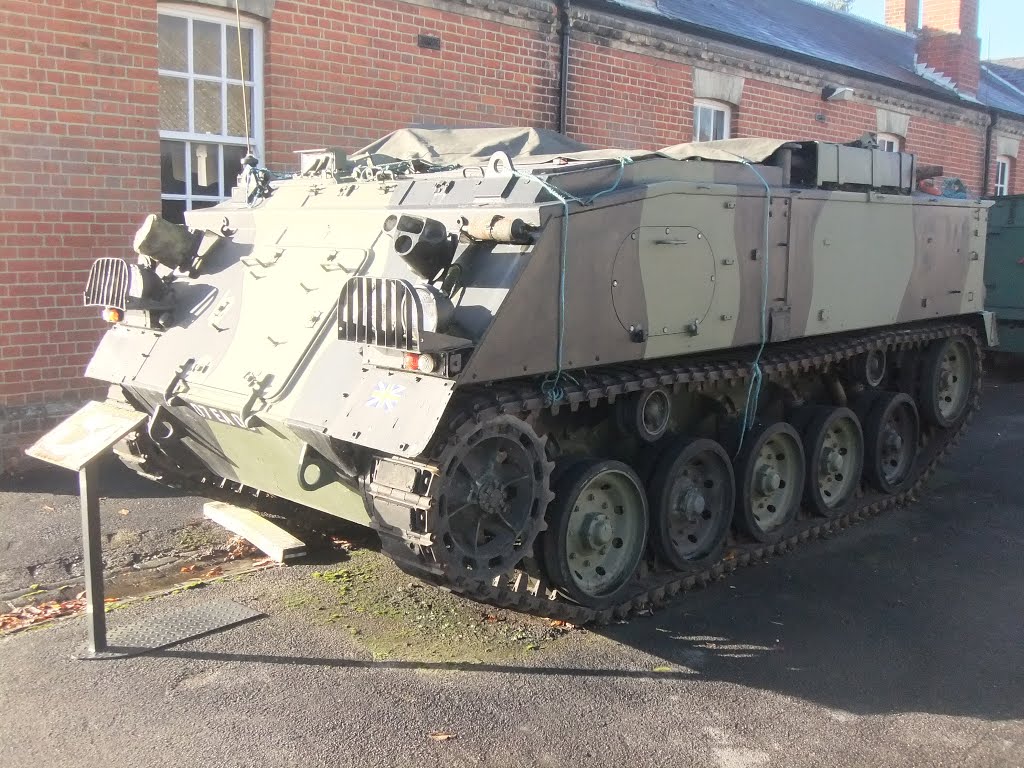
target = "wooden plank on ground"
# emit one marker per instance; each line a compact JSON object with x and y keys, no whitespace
{"x":274,"y":541}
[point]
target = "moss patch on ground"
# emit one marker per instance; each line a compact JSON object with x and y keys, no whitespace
{"x":395,"y":617}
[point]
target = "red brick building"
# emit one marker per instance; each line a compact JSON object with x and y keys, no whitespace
{"x":112,"y":109}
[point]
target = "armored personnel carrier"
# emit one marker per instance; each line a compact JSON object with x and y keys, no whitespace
{"x":564,"y":380}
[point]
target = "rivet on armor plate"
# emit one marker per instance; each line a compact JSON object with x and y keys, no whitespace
{"x":822,"y":315}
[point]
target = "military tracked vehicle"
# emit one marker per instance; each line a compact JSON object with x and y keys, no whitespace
{"x":1004,"y":270}
{"x":564,"y":380}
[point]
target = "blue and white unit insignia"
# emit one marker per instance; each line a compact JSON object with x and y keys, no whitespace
{"x":386,"y":396}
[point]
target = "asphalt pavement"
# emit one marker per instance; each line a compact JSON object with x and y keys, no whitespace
{"x":898,"y":643}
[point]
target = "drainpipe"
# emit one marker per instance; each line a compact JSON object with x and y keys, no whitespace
{"x":988,"y":151}
{"x":563,"y":63}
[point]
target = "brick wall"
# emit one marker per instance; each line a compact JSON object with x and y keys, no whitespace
{"x":79,"y":147}
{"x":626,"y":99}
{"x":344,"y":74}
{"x":79,"y":163}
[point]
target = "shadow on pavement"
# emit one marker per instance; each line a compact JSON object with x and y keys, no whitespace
{"x":920,"y":610}
{"x":116,"y":480}
{"x":450,"y":666}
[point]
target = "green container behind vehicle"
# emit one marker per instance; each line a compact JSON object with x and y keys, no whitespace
{"x":1004,"y":270}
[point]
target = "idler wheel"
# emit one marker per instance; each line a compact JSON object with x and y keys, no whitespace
{"x":494,"y":492}
{"x":947,"y":378}
{"x":834,"y":450}
{"x":597,"y":531}
{"x":692,"y":494}
{"x":891,"y":434}
{"x":770,"y":480}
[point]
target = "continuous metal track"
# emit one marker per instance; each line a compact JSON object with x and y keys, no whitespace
{"x":654,"y":583}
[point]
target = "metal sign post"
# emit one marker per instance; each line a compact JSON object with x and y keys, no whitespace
{"x":77,"y":444}
{"x":95,"y":605}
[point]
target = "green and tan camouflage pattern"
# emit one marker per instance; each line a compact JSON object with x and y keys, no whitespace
{"x":669,"y":263}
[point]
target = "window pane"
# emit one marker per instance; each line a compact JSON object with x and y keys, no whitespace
{"x":236,"y":113}
{"x":719,"y":124}
{"x":704,"y":124}
{"x":173,"y":211}
{"x":205,"y":169}
{"x":196,"y":204}
{"x":207,"y":107}
{"x":172,"y":167}
{"x":232,"y":166}
{"x":173,"y":43}
{"x":206,"y":48}
{"x":173,"y":104}
{"x":232,"y":43}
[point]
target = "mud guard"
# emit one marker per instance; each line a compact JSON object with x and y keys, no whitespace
{"x":393,"y":411}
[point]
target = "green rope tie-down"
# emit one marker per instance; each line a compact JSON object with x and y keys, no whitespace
{"x":552,"y":385}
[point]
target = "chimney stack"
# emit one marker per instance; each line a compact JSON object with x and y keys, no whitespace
{"x":948,"y":39}
{"x":903,"y":14}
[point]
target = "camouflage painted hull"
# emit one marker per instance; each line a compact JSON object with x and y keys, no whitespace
{"x":308,"y":357}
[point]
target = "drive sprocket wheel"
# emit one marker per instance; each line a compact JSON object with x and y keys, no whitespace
{"x":494,"y":490}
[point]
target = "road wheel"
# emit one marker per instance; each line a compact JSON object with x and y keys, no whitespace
{"x":692,"y":494}
{"x":891,"y":434}
{"x":947,"y":378}
{"x":834,"y":447}
{"x":597,"y":531}
{"x":769,"y":480}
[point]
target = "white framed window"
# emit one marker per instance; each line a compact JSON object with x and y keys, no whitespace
{"x":1004,"y":164}
{"x":211,"y":103}
{"x":711,"y":120}
{"x":889,"y":142}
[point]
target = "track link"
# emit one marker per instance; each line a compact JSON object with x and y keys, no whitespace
{"x":654,"y":583}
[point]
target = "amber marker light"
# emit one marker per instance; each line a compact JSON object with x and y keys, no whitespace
{"x":113,"y":315}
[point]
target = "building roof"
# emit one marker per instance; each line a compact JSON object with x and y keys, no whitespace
{"x":1010,"y":70}
{"x":802,"y":29}
{"x":998,"y":91}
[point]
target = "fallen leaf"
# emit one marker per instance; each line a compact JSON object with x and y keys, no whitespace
{"x":663,"y":668}
{"x":110,"y":600}
{"x":237,"y":548}
{"x":215,"y":571}
{"x":122,"y":512}
{"x":190,"y":568}
{"x":48,"y":508}
{"x":441,"y":735}
{"x":339,"y":543}
{"x":491,"y":618}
